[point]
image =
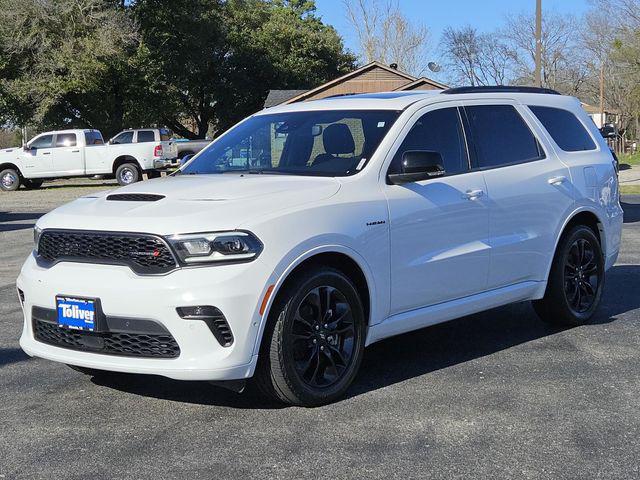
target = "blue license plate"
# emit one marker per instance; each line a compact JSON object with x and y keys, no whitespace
{"x":76,"y":313}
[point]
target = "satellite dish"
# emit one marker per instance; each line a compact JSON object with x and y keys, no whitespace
{"x":434,"y":67}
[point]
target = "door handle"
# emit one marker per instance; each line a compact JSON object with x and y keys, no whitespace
{"x":46,"y":153}
{"x":75,"y":151}
{"x":557,"y":180}
{"x":473,"y":194}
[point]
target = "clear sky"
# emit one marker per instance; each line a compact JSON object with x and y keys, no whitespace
{"x":437,"y":15}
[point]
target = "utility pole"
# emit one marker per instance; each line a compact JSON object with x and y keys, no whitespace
{"x":538,"y":43}
{"x":602,"y":122}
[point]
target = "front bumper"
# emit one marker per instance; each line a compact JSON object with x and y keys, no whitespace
{"x":234,"y":289}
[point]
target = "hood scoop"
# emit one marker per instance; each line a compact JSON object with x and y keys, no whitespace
{"x":134,"y":197}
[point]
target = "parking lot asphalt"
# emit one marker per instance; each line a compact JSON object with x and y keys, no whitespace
{"x":494,"y":395}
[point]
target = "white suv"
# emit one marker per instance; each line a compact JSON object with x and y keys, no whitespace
{"x":312,"y":230}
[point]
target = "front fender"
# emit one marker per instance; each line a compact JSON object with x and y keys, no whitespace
{"x":296,"y":257}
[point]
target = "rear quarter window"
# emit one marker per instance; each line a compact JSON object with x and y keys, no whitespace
{"x":565,"y":128}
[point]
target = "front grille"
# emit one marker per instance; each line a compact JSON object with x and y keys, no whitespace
{"x":135,"y":197}
{"x":143,"y":253}
{"x":110,"y":343}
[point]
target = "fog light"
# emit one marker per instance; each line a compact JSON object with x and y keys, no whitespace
{"x":214,"y":319}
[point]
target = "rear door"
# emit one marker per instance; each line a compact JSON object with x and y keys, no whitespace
{"x":439,"y":227}
{"x":66,"y":155}
{"x":529,"y":189}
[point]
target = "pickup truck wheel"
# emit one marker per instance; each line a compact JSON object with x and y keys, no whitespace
{"x":9,"y":180}
{"x":32,"y":184}
{"x":153,"y":174}
{"x":314,"y":342}
{"x":127,"y":174}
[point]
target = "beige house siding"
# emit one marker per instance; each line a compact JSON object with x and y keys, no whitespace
{"x":372,"y":78}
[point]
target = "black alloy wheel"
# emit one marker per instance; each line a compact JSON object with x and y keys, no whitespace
{"x":314,"y":340}
{"x":576,"y":280}
{"x":581,"y":275}
{"x":322,"y":337}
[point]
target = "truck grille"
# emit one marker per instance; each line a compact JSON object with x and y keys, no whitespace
{"x":143,"y":253}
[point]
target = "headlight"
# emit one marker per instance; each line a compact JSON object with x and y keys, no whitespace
{"x":36,"y":236}
{"x":216,"y":247}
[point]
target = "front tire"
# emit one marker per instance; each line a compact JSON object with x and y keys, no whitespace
{"x":576,"y":280}
{"x":9,"y":180}
{"x":314,"y":341}
{"x":127,"y":173}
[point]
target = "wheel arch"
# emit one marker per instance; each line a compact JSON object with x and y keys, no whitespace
{"x":342,"y":258}
{"x":10,"y":165}
{"x":122,"y":159}
{"x":581,"y":216}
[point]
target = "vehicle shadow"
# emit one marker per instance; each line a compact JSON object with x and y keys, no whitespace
{"x":92,"y":184}
{"x":631,"y":211}
{"x":7,"y":217}
{"x":12,"y":355}
{"x":410,"y":355}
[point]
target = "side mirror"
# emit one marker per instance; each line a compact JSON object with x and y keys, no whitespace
{"x":418,"y":165}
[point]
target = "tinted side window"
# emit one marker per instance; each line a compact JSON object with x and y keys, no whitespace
{"x":45,"y":141}
{"x":165,"y":135}
{"x":93,"y":138}
{"x":437,"y":131}
{"x":146,"y":136}
{"x":501,"y":136}
{"x":565,"y":128}
{"x":66,"y":140}
{"x":124,"y":137}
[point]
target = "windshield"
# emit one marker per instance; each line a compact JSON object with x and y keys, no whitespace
{"x":326,"y":143}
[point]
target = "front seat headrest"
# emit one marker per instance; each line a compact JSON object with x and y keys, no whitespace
{"x":337,"y":139}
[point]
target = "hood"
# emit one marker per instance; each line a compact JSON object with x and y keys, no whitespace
{"x":191,"y":203}
{"x":11,"y":152}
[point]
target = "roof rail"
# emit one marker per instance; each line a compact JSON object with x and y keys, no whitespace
{"x":500,"y":88}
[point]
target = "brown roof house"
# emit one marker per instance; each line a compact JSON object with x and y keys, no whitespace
{"x":374,"y":77}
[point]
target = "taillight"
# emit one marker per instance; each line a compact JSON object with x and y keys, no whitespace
{"x":157,"y":151}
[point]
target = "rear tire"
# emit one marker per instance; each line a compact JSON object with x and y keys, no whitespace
{"x":576,"y":280}
{"x":314,"y":340}
{"x":9,"y":180}
{"x":32,"y":184}
{"x":127,"y":173}
{"x":153,"y":174}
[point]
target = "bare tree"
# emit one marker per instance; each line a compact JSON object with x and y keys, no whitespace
{"x":564,"y":66}
{"x":476,"y":59}
{"x":385,"y":34}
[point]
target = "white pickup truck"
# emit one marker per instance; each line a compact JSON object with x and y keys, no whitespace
{"x":83,"y":153}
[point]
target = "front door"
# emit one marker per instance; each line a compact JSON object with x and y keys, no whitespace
{"x":439,"y":227}
{"x":37,"y":157}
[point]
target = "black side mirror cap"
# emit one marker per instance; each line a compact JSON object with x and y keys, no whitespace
{"x":417,"y":165}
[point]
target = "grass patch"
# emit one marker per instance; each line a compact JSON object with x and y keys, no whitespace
{"x":630,"y":189}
